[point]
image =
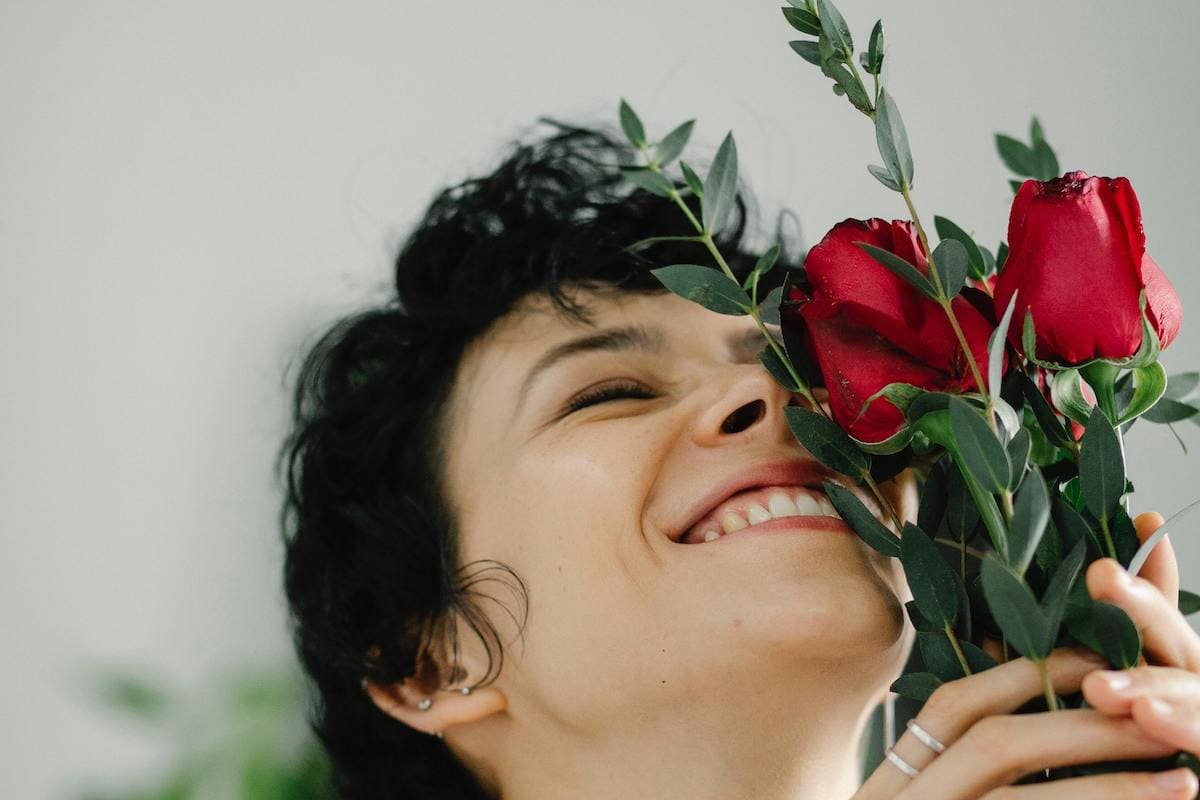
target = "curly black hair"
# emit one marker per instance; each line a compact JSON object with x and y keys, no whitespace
{"x":371,"y":572}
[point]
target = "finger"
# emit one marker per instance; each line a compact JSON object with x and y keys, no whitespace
{"x":999,"y":750}
{"x":1114,"y":692}
{"x":1161,"y":568}
{"x":1178,"y":783}
{"x":1174,"y":724}
{"x":1165,"y":633}
{"x":956,"y":706}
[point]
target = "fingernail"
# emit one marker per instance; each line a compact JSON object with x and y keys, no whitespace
{"x":1174,"y":781}
{"x":1116,"y":681}
{"x":1124,"y":578}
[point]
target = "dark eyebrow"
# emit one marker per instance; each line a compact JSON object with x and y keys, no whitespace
{"x":742,"y":347}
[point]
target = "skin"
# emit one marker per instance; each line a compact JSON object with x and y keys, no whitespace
{"x":744,"y":668}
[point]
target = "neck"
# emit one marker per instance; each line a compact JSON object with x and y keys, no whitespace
{"x":766,"y":746}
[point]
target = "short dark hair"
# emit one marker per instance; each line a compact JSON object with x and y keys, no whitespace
{"x":370,"y":573}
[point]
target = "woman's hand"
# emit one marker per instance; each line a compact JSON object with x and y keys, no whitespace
{"x":988,"y":747}
{"x":1164,"y":699}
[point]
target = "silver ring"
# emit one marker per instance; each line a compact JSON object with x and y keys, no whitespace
{"x":924,"y":738}
{"x":901,"y":764}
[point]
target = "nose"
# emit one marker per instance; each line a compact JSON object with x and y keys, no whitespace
{"x":750,"y":403}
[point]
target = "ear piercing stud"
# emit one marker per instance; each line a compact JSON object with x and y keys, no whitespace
{"x":426,"y":702}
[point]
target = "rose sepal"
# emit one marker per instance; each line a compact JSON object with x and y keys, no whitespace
{"x":1147,"y":353}
{"x":900,"y":395}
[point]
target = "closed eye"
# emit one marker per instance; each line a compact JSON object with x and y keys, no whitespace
{"x":609,"y":391}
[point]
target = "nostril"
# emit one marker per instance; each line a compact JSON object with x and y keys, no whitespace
{"x":744,"y":417}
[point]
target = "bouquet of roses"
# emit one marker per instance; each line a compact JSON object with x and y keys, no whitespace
{"x":1005,"y":379}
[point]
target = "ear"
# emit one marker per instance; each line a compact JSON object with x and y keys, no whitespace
{"x":402,"y":700}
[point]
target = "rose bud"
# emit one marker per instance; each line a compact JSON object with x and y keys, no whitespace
{"x":865,"y":327}
{"x":1077,"y":260}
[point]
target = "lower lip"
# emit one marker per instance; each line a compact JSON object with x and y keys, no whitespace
{"x":789,"y":525}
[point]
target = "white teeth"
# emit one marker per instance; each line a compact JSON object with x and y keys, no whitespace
{"x":732,"y":522}
{"x":711,"y":535}
{"x":808,"y":506}
{"x":780,"y":505}
{"x":826,"y":507}
{"x":756,"y":514}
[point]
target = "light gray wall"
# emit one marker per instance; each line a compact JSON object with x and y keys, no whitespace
{"x":189,"y":190}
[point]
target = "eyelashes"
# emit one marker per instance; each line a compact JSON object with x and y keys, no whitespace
{"x":609,"y":391}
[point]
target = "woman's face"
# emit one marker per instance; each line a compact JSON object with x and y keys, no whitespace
{"x":586,"y":506}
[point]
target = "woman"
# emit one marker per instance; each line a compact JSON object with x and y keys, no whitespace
{"x":549,"y":536}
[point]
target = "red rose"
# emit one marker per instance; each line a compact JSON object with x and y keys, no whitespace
{"x":867,"y":328}
{"x":1077,"y":255}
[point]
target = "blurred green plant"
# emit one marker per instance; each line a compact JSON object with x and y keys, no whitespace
{"x":245,"y":736}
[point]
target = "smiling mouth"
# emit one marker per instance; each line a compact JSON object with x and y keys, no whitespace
{"x":765,"y":509}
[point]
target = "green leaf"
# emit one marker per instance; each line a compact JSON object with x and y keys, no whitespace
{"x":862,"y":521}
{"x":1046,"y":418}
{"x":961,"y":513}
{"x":946,"y":229}
{"x":1149,"y":384}
{"x":901,"y":268}
{"x":709,"y":287}
{"x":979,"y":451}
{"x":938,"y":655}
{"x":835,"y":29}
{"x":827,"y":443}
{"x":802,"y":20}
{"x":654,"y":182}
{"x":1018,"y":449}
{"x":1016,"y":155}
{"x":632,"y":125}
{"x":874,"y":62}
{"x":1066,"y":392}
{"x":1182,"y":384}
{"x":1189,"y":602}
{"x":1166,"y":411}
{"x":929,"y":577}
{"x":1015,"y":610}
{"x":673,"y":143}
{"x":1108,"y":630}
{"x":766,"y":262}
{"x":1031,"y":513}
{"x":1101,"y":466}
{"x":768,"y":310}
{"x":136,"y":696}
{"x":1015,"y":186}
{"x":950,"y":260}
{"x":932,"y":508}
{"x":809,"y":51}
{"x":1054,"y":601}
{"x":1045,"y":162}
{"x":883,"y":176}
{"x":774,"y":365}
{"x":977,"y":658}
{"x":720,"y":187}
{"x":916,"y":685}
{"x":919,"y":622}
{"x":997,"y":344}
{"x":1072,"y":527}
{"x":692,"y":179}
{"x":893,"y":140}
{"x":1143,"y":552}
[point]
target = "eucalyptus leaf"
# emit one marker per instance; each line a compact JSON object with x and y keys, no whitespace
{"x":1108,"y":630}
{"x":977,"y":658}
{"x":893,"y":139}
{"x":850,"y":86}
{"x":802,"y":20}
{"x":1018,"y":449}
{"x":951,"y":261}
{"x":632,"y":125}
{"x":809,"y":51}
{"x":1166,"y":411}
{"x":774,"y":365}
{"x":1001,"y":255}
{"x":654,"y":182}
{"x":916,"y":685}
{"x":979,"y":452}
{"x":901,"y":268}
{"x":835,"y":29}
{"x":918,"y":621}
{"x":1143,"y":552}
{"x":768,"y":310}
{"x":874,"y":62}
{"x":709,"y":287}
{"x":1181,"y":384}
{"x":962,"y":516}
{"x":1046,"y":418}
{"x":827,"y":442}
{"x":946,"y":229}
{"x":938,"y":655}
{"x":1072,"y":527}
{"x":673,"y":143}
{"x":932,"y":507}
{"x":1015,"y":609}
{"x":883,"y":176}
{"x":1101,"y":465}
{"x":1054,"y":600}
{"x":929,"y":577}
{"x":720,"y":187}
{"x":692,"y":179}
{"x":997,"y":345}
{"x":862,"y":521}
{"x":1044,"y":161}
{"x":1016,"y":155}
{"x":1189,"y":602}
{"x":1031,"y":513}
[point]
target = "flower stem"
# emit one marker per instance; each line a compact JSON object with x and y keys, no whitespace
{"x":883,"y":502}
{"x":1047,"y":687}
{"x":961,"y":546}
{"x":962,"y":659}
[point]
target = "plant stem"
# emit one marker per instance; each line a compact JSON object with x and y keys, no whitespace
{"x":962,"y":659}
{"x":883,"y":502}
{"x":1047,"y":687}
{"x":962,"y":546}
{"x":1108,"y":540}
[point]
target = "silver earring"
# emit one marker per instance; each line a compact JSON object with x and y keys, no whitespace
{"x":425,"y":703}
{"x":465,"y":690}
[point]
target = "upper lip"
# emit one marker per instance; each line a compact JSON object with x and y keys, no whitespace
{"x":789,"y":472}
